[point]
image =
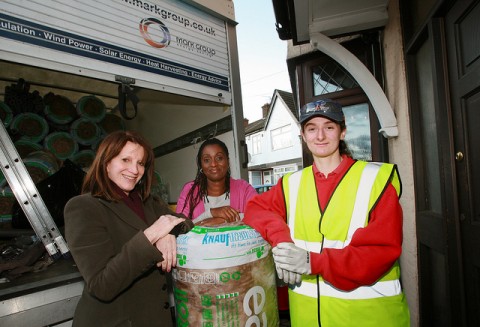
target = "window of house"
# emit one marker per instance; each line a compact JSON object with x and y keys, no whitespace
{"x":256,"y":178}
{"x":281,"y":137}
{"x":280,"y":171}
{"x":256,"y":144}
{"x":330,"y":77}
{"x":358,"y":138}
{"x":267,"y":177}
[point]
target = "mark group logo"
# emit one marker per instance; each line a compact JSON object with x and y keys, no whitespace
{"x":145,"y":24}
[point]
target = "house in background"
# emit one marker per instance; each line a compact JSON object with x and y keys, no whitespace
{"x":273,"y":142}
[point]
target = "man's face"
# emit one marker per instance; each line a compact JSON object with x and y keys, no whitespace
{"x":322,"y":136}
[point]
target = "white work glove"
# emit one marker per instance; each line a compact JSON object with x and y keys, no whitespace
{"x":288,"y":277}
{"x":291,"y":258}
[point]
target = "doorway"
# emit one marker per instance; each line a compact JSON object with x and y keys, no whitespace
{"x":443,"y":70}
{"x":463,"y":46}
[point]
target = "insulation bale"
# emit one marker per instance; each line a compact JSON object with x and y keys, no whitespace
{"x":41,"y":164}
{"x":59,"y":109}
{"x":84,"y":158}
{"x":225,"y":276}
{"x":91,"y":107}
{"x":111,"y":123}
{"x":24,"y":147}
{"x":61,"y":144}
{"x":29,"y":126}
{"x":85,"y":131}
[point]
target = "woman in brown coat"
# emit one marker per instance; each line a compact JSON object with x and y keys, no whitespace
{"x":120,"y":235}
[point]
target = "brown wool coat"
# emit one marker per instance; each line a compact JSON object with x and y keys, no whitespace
{"x":123,"y":286}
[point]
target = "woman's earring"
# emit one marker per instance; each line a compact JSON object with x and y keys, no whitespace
{"x":201,"y":171}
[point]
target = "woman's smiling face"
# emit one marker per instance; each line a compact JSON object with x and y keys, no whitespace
{"x":214,"y":162}
{"x":128,"y":167}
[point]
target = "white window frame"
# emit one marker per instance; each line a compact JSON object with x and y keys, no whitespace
{"x":282,"y":170}
{"x":281,"y":137}
{"x":256,"y":144}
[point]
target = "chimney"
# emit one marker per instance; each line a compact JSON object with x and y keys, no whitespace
{"x":265,"y":108}
{"x":245,"y":122}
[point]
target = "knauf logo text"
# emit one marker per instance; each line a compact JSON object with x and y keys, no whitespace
{"x":216,"y":238}
{"x":227,"y":238}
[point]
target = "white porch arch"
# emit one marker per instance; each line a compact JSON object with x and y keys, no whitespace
{"x":365,"y":79}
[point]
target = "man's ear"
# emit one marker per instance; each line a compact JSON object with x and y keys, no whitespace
{"x":302,"y":136}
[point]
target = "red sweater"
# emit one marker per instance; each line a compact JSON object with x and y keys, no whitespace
{"x":370,"y":254}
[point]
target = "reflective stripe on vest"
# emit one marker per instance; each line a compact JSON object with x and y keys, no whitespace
{"x":360,"y":209}
{"x":379,"y":289}
{"x":294,"y":185}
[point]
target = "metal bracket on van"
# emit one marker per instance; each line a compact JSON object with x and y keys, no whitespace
{"x":126,"y":93}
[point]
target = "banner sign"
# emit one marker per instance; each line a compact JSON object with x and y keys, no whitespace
{"x":160,"y":39}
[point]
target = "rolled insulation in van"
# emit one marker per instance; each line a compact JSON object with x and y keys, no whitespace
{"x":225,"y":276}
{"x":91,"y":107}
{"x":85,"y":131}
{"x":30,"y":127}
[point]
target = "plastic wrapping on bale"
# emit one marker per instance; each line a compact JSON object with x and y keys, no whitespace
{"x":225,"y":276}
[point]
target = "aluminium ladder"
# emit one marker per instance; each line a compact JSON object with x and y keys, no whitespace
{"x":29,"y":199}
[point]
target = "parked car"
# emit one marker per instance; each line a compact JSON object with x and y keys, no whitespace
{"x":262,"y":188}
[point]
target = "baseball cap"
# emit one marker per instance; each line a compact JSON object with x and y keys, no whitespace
{"x":324,"y":108}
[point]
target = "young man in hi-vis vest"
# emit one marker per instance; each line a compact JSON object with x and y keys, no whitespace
{"x":336,"y":231}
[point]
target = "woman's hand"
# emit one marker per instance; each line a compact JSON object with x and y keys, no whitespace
{"x":227,"y":213}
{"x":161,"y":227}
{"x":168,"y":246}
{"x":210,"y":222}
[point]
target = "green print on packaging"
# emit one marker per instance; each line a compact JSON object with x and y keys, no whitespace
{"x":182,"y":259}
{"x":225,"y":276}
{"x":258,"y":251}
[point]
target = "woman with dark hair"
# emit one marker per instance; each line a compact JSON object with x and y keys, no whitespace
{"x":119,"y":236}
{"x":214,"y":197}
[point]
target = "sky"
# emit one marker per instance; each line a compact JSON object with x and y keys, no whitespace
{"x":262,"y":56}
